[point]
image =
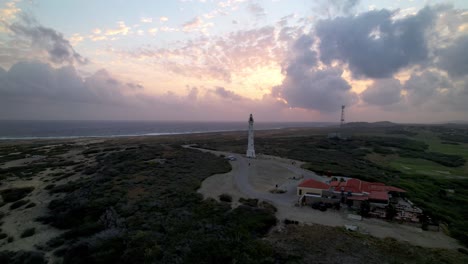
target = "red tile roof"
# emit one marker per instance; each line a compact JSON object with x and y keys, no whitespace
{"x":358,"y":186}
{"x":378,"y":196}
{"x":334,"y":183}
{"x":310,"y":183}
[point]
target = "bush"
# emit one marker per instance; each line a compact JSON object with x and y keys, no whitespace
{"x":268,"y":206}
{"x":30,"y":205}
{"x":290,"y":222}
{"x":18,"y":204}
{"x":30,"y":257}
{"x":249,"y":202}
{"x":50,"y":186}
{"x":225,"y":198}
{"x":28,"y":232}
{"x":15,"y":194}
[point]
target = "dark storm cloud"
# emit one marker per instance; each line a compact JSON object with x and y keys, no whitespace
{"x":54,"y":43}
{"x":383,"y":92}
{"x":454,"y":59}
{"x":307,"y":87}
{"x":226,"y":94}
{"x":424,"y":87}
{"x":373,"y":44}
{"x":301,"y":58}
{"x":32,"y":81}
{"x":322,"y":90}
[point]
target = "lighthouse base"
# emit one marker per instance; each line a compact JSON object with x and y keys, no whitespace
{"x":250,"y":153}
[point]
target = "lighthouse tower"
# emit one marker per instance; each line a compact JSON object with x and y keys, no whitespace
{"x":250,"y":144}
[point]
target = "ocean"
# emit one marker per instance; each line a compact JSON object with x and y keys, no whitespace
{"x":12,"y":129}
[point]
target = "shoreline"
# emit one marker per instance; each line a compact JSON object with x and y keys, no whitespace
{"x":159,"y":135}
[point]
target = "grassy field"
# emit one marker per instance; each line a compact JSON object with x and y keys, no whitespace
{"x":423,"y":166}
{"x":417,"y":166}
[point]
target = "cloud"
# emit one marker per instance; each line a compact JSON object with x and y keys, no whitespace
{"x":320,"y":90}
{"x":373,"y":44}
{"x":222,"y":92}
{"x":454,"y":59}
{"x":35,"y":81}
{"x":230,"y":3}
{"x":146,"y":20}
{"x":153,"y":31}
{"x":306,"y":86}
{"x":344,"y":6}
{"x":163,"y":19}
{"x":196,"y":24}
{"x":58,"y":48}
{"x":216,"y":57}
{"x":383,"y":92}
{"x":33,"y":90}
{"x":7,"y":14}
{"x":256,"y":10}
{"x":424,"y":87}
{"x":122,"y":29}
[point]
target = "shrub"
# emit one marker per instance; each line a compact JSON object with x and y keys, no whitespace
{"x":28,"y":232}
{"x":290,"y":222}
{"x":268,"y":206}
{"x":30,"y":257}
{"x":50,"y":186}
{"x":15,"y":194}
{"x":225,"y":198}
{"x":249,"y":202}
{"x":18,"y":204}
{"x":30,"y":205}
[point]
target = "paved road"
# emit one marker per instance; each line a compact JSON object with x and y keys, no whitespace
{"x":284,"y":202}
{"x":241,"y":172}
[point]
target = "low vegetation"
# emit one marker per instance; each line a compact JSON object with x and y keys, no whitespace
{"x":15,"y":194}
{"x":28,"y":232}
{"x":133,"y":211}
{"x":324,"y":244}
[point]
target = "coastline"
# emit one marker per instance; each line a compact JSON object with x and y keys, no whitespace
{"x":178,"y":135}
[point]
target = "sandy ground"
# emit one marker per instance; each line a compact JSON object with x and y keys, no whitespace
{"x":17,"y":220}
{"x":254,"y":178}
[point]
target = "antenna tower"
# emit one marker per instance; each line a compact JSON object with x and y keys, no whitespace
{"x":342,"y":115}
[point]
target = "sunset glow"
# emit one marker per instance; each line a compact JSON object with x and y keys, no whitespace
{"x":220,"y":60}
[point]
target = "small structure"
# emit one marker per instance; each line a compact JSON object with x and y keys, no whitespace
{"x":311,"y":186}
{"x":338,"y":135}
{"x":355,"y":192}
{"x":250,"y":144}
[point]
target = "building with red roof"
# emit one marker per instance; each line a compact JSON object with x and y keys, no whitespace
{"x":354,"y":189}
{"x":311,"y":186}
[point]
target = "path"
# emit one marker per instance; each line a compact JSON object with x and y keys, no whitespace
{"x":238,"y":184}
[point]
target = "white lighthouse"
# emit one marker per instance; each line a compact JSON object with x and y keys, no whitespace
{"x":250,"y":144}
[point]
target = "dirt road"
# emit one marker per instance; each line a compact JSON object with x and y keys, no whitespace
{"x":243,"y":181}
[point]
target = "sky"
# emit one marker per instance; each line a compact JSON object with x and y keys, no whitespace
{"x":207,"y":60}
